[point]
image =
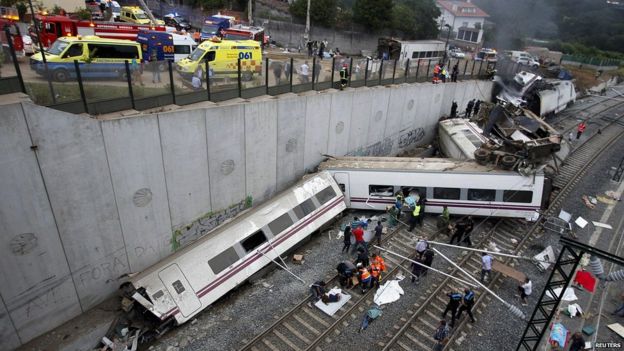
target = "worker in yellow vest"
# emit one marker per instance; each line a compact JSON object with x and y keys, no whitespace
{"x":415,"y":217}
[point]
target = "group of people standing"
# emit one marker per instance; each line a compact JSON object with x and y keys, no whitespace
{"x":472,"y":109}
{"x":316,"y":47}
{"x":441,"y":74}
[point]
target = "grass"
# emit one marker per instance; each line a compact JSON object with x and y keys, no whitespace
{"x":68,"y":92}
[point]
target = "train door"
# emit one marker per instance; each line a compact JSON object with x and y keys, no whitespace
{"x":342,"y":179}
{"x":180,"y":289}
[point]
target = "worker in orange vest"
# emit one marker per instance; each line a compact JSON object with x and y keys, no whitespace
{"x":377,"y":267}
{"x":436,"y":73}
{"x":365,"y":277}
{"x":580,"y":129}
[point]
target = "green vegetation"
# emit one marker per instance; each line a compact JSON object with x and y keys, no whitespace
{"x":322,"y":12}
{"x":416,"y":19}
{"x":374,"y":15}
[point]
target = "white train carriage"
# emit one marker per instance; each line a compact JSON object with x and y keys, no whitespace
{"x":188,"y":281}
{"x":466,"y":187}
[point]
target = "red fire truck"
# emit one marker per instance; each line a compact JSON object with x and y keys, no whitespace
{"x":53,"y":27}
{"x":8,"y":19}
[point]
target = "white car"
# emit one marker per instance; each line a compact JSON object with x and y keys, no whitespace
{"x":457,"y":53}
{"x":531,"y":62}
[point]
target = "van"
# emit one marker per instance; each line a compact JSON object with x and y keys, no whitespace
{"x":166,"y":46}
{"x":134,"y":14}
{"x":222,"y":57}
{"x":97,"y":57}
{"x":486,"y":54}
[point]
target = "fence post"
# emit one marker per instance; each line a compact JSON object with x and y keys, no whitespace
{"x":472,"y":69}
{"x":366,"y":73}
{"x":333,"y":71}
{"x":428,"y":67}
{"x":14,"y":58}
{"x":465,"y":68}
{"x":480,"y":66}
{"x":80,"y":87}
{"x":240,"y":88}
{"x":394,"y":70}
{"x":208,"y":78}
{"x":266,"y":79}
{"x":169,"y":64}
{"x":313,"y":70}
{"x":407,"y":69}
{"x":291,"y":72}
{"x":380,"y":72}
{"x":350,"y":70}
{"x":129,"y":79}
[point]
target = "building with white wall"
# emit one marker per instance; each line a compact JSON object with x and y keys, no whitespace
{"x":464,"y":18}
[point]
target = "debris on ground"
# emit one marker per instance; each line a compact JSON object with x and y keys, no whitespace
{"x":587,"y":202}
{"x":298,"y":259}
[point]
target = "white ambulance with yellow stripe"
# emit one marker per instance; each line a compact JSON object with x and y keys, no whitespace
{"x":223,"y":57}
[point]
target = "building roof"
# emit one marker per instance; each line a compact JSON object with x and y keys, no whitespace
{"x":462,"y":8}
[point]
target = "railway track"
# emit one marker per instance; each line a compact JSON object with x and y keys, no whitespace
{"x":417,"y":332}
{"x":307,"y":328}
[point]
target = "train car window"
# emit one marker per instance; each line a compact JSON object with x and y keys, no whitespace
{"x":518,"y":196}
{"x":157,"y":295}
{"x":407,"y":190}
{"x":304,"y":208}
{"x":325,"y":195}
{"x":481,"y":195}
{"x":223,"y":260}
{"x":256,"y":239}
{"x":446,"y":193}
{"x":177,"y":285}
{"x":380,"y":190}
{"x":280,"y":224}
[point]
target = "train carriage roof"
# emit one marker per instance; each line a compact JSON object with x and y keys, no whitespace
{"x":410,"y":164}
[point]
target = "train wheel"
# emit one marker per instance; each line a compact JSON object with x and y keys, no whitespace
{"x":482,"y":155}
{"x":508,"y":161}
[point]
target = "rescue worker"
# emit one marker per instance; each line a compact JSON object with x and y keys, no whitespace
{"x":346,"y":270}
{"x":467,"y":303}
{"x":422,"y":202}
{"x":476,"y":108}
{"x":344,"y":76}
{"x":454,"y":301}
{"x":317,"y":289}
{"x":455,"y":73}
{"x":378,"y":232}
{"x":458,"y":232}
{"x":444,"y":219}
{"x":377,"y":266}
{"x":417,"y":270}
{"x":443,"y":73}
{"x":469,"y":108}
{"x":398,"y":204}
{"x":454,"y":109}
{"x":436,"y":73}
{"x":364,"y":277}
{"x":415,"y":217}
{"x":362,"y":257}
{"x":580,"y":129}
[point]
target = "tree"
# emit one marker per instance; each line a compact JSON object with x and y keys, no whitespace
{"x":416,"y":19}
{"x":373,"y":14}
{"x":322,"y":12}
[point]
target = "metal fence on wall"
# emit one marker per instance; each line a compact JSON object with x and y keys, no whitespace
{"x":81,"y":87}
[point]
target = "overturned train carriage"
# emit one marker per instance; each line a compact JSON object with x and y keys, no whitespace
{"x":180,"y":286}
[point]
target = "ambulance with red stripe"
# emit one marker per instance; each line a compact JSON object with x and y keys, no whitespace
{"x":223,"y":57}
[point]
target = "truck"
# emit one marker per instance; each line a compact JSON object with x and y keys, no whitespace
{"x":53,"y":27}
{"x":14,"y":36}
{"x":242,"y":32}
{"x":214,"y":25}
{"x":165,"y":46}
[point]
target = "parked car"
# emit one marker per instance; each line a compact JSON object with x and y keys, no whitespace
{"x":531,"y":62}
{"x":179,"y":22}
{"x":457,"y":53}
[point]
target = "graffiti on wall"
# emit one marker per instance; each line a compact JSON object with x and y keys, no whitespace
{"x":411,"y":137}
{"x":380,"y":148}
{"x":189,"y":233}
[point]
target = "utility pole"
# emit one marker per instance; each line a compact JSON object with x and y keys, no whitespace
{"x":307,"y":28}
{"x":250,"y":12}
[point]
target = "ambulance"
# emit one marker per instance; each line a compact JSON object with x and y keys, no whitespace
{"x":97,"y":58}
{"x":222,"y":57}
{"x":134,"y":14}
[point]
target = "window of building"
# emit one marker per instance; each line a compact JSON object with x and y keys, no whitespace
{"x":446,"y":193}
{"x":304,"y":209}
{"x":518,"y":196}
{"x":380,"y":190}
{"x":254,"y":240}
{"x":177,"y":285}
{"x":481,"y":195}
{"x":474,"y":37}
{"x":223,"y":260}
{"x":325,"y":195}
{"x":280,"y":224}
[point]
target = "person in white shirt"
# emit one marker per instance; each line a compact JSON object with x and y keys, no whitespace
{"x":486,"y":266}
{"x":525,"y":290}
{"x":304,"y":72}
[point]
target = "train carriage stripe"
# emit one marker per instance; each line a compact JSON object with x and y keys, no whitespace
{"x":452,"y":204}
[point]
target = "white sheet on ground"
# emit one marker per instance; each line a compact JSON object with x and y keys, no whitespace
{"x":581,"y":222}
{"x":333,"y":307}
{"x":568,"y":295}
{"x":389,"y":292}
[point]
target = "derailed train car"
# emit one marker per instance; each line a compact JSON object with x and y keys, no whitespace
{"x":177,"y":288}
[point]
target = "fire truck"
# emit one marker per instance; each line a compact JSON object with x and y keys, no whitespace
{"x":54,"y":27}
{"x":8,"y":19}
{"x":242,"y":32}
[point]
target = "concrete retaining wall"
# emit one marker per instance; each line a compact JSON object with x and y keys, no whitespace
{"x":85,"y":201}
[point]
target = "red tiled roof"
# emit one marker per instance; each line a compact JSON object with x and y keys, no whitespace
{"x":448,"y":5}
